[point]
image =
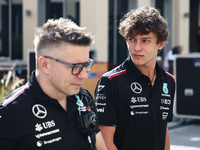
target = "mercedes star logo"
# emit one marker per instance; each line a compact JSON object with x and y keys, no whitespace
{"x":136,"y":87}
{"x":93,"y":119}
{"x":39,"y":111}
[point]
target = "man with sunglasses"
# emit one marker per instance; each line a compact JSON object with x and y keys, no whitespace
{"x":52,"y":111}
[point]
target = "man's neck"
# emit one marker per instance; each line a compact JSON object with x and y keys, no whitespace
{"x":148,"y":70}
{"x":48,"y":89}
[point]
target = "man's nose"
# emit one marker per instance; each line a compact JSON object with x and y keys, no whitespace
{"x":83,"y":74}
{"x":137,"y":46}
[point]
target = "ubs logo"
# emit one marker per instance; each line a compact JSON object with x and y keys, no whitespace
{"x":136,"y":87}
{"x":45,"y":125}
{"x":39,"y":111}
{"x":138,"y":99}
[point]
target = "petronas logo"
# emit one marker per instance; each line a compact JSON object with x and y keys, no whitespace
{"x":165,"y":89}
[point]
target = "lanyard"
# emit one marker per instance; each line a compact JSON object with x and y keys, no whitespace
{"x":82,"y":108}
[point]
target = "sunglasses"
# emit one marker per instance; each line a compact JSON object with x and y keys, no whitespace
{"x":76,"y":68}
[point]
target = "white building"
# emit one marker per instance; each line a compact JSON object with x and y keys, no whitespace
{"x":19,"y":18}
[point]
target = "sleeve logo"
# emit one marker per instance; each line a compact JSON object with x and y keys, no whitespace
{"x":100,"y":87}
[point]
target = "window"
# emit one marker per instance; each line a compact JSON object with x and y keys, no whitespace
{"x":117,"y":45}
{"x":11,"y":29}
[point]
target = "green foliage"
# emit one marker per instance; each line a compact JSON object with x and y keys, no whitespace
{"x":2,"y":92}
{"x":8,"y":84}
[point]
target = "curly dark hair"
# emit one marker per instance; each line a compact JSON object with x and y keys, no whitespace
{"x":142,"y":21}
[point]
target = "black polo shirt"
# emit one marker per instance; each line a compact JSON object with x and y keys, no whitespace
{"x":126,"y":100}
{"x":31,"y":120}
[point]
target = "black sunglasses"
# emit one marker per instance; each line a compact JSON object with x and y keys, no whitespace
{"x":76,"y":68}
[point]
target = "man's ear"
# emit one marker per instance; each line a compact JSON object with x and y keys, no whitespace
{"x":161,"y":45}
{"x":43,"y":64}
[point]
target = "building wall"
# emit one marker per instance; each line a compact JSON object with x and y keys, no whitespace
{"x":29,"y":25}
{"x":180,"y":29}
{"x":179,"y":24}
{"x":145,"y":3}
{"x":94,"y":16}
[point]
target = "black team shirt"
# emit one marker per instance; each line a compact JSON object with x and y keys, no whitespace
{"x":126,"y":100}
{"x":31,"y":120}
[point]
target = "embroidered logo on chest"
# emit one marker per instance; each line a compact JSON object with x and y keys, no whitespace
{"x":136,"y":87}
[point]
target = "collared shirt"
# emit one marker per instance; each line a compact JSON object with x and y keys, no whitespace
{"x":126,"y":100}
{"x":31,"y":120}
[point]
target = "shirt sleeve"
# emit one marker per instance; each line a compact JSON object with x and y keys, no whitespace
{"x":106,"y":102}
{"x":170,"y":117}
{"x":8,"y":130}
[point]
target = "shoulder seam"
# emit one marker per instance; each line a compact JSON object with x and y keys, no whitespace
{"x":15,"y":95}
{"x":170,"y":75}
{"x":117,"y":74}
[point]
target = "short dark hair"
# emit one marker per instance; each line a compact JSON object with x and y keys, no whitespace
{"x":55,"y":32}
{"x":142,"y":21}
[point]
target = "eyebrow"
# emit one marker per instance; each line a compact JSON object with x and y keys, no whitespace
{"x":147,"y":38}
{"x":141,"y":38}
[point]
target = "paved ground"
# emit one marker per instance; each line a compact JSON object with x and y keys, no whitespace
{"x":185,"y":135}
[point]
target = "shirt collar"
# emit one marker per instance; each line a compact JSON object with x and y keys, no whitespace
{"x":131,"y":68}
{"x":136,"y":74}
{"x":38,"y":92}
{"x":36,"y":89}
{"x":161,"y":74}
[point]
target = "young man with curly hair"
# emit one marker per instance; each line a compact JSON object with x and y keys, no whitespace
{"x":135,"y":100}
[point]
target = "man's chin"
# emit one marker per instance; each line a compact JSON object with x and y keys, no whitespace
{"x":74,"y":92}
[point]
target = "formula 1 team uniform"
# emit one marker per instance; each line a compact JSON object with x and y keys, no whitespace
{"x":31,"y":120}
{"x":126,"y":100}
